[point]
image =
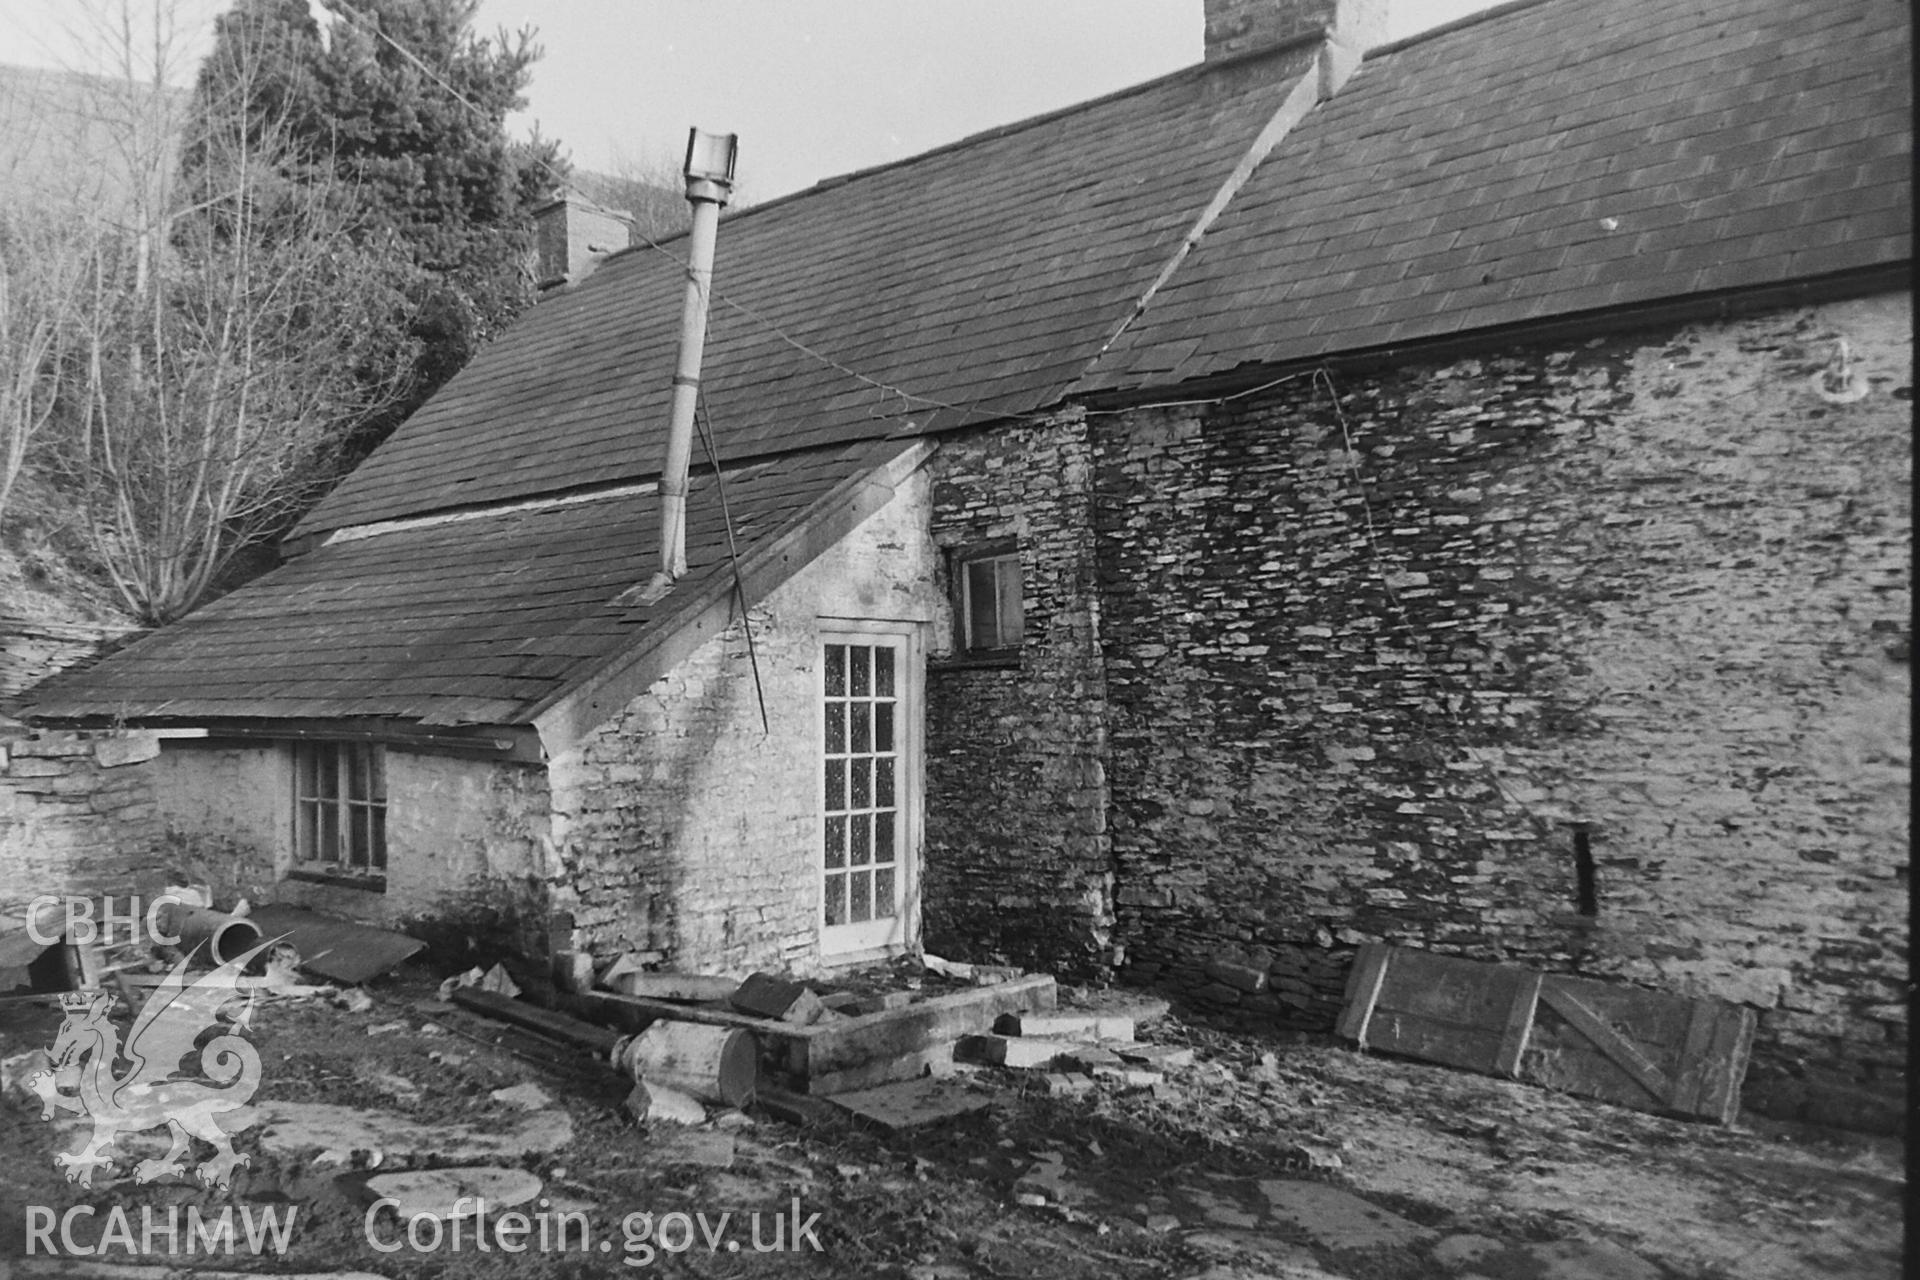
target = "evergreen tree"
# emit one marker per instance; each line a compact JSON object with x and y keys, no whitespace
{"x":399,"y":105}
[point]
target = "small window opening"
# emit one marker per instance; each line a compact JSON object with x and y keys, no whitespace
{"x":340,"y":805}
{"x":991,"y":614}
{"x":1587,"y":893}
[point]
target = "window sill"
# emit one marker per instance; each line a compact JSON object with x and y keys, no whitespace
{"x":1008,"y":659}
{"x":864,"y":956}
{"x":339,"y":879}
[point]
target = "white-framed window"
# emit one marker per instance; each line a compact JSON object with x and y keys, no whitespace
{"x":870,"y":809}
{"x":340,"y":806}
{"x":988,"y":604}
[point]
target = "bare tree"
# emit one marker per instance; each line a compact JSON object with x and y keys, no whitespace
{"x":49,"y":197}
{"x":42,"y":279}
{"x":651,"y":189}
{"x":223,"y":348}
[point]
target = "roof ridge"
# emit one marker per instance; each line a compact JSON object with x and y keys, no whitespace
{"x":1448,"y":28}
{"x":1197,"y":71}
{"x":1462,"y":190}
{"x":835,"y":181}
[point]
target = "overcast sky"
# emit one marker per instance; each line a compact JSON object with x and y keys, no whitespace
{"x":814,"y":88}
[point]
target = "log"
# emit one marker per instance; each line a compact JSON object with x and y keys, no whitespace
{"x":715,"y":1064}
{"x":596,"y":1040}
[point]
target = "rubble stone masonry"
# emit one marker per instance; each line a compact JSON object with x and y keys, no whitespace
{"x":683,"y":830}
{"x":1374,"y":644}
{"x":1019,"y":864}
{"x":77,"y":814}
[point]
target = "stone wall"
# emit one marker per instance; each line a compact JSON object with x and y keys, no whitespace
{"x":685,"y":831}
{"x":77,"y":814}
{"x":1368,"y":665}
{"x":227,"y":811}
{"x":466,"y":844}
{"x":1018,"y":861}
{"x":465,"y":837}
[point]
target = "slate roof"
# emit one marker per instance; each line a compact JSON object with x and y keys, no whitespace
{"x":1547,"y":160}
{"x":983,"y":275}
{"x":476,"y":620}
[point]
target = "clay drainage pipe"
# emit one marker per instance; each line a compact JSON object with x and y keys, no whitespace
{"x":226,"y":937}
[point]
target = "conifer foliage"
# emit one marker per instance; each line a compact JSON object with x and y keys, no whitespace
{"x":251,"y":284}
{"x":403,"y":104}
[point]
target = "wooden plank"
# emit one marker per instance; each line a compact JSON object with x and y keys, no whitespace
{"x":1449,"y":990}
{"x":1726,"y":1064}
{"x":853,"y":1042}
{"x":92,"y":965}
{"x":1655,"y":1021}
{"x":24,"y":997}
{"x":597,"y":1040}
{"x":1560,"y":1056}
{"x":690,"y":987}
{"x":1412,"y":1036}
{"x":637,"y":1013}
{"x":1513,"y":1041}
{"x":842,"y":1044}
{"x":1690,"y":1079}
{"x":1444,"y":1009}
{"x":937,"y":1061}
{"x":1363,"y":989}
{"x":1610,"y":1042}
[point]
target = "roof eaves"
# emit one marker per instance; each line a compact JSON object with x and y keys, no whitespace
{"x":1255,"y":373}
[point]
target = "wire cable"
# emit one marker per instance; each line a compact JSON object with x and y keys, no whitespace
{"x":733,"y":554}
{"x":773,"y":328}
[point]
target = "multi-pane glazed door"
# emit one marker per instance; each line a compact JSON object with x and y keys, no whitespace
{"x":867,"y":809}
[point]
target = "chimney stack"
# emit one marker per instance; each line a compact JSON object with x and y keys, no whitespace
{"x":572,"y":235}
{"x":1242,"y":26}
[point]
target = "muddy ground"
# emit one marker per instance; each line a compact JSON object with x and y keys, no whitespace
{"x":1276,"y":1155}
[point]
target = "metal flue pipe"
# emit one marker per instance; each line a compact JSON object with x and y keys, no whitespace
{"x":709,"y":173}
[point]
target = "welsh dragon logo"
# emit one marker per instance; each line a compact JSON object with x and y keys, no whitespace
{"x":152,"y":1092}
